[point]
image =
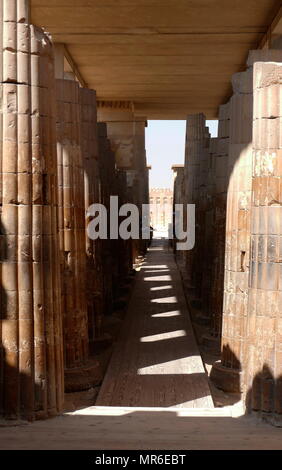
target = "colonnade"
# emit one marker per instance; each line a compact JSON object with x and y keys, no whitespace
{"x":239,"y":232}
{"x":57,"y":284}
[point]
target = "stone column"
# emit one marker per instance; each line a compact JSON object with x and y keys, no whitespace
{"x":126,"y":133}
{"x":204,"y":229}
{"x":119,"y":118}
{"x":140,"y":162}
{"x":116,"y":252}
{"x":31,"y":383}
{"x":263,"y":384}
{"x":107,"y":172}
{"x":127,"y":250}
{"x":90,"y":157}
{"x":227,"y":374}
{"x":195,"y":138}
{"x":79,"y":372}
{"x":178,"y":192}
{"x":219,"y":154}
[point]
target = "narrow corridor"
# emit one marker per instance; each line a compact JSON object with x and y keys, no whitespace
{"x":156,"y":361}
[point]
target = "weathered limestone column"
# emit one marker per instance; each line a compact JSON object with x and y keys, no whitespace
{"x":227,"y":374}
{"x":31,"y":382}
{"x":178,"y":196}
{"x":219,"y":148}
{"x":119,"y":118}
{"x":204,"y":232}
{"x":195,"y":137}
{"x":90,"y":157}
{"x":140,"y":124}
{"x":221,"y":183}
{"x":263,"y":384}
{"x":140,"y":161}
{"x":79,"y":373}
{"x":116,"y":252}
{"x":126,"y":133}
{"x":126,"y":250}
{"x":107,"y":172}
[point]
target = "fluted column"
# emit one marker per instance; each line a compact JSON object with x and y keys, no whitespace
{"x":263,"y":378}
{"x":195,"y":138}
{"x":204,"y":237}
{"x":219,"y":154}
{"x":107,"y":182}
{"x":116,"y":252}
{"x":90,"y":157}
{"x":31,"y":383}
{"x":119,"y":118}
{"x":227,"y":374}
{"x":178,"y":193}
{"x":126,"y":133}
{"x":137,"y":178}
{"x":140,"y":164}
{"x":79,"y":373}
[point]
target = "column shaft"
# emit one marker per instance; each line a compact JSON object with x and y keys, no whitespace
{"x":107,"y":172}
{"x":219,"y":155}
{"x":195,"y":139}
{"x":264,"y":344}
{"x":126,"y":133}
{"x":80,"y":373}
{"x":94,"y":281}
{"x":227,"y":373}
{"x":221,"y":182}
{"x":31,"y":330}
{"x":204,"y":222}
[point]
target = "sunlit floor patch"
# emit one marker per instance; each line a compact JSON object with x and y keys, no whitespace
{"x":158,"y":278}
{"x":160,"y":288}
{"x":157,"y":271}
{"x":165,"y":300}
{"x":156,"y":266}
{"x":162,"y":336}
{"x":174,"y":367}
{"x":173,"y":313}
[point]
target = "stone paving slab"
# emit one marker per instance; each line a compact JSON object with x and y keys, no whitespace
{"x":156,"y":361}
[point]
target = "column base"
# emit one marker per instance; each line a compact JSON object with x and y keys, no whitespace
{"x":82,"y":378}
{"x":226,"y":379}
{"x":120,"y":302}
{"x":274,"y":419}
{"x":211,"y":343}
{"x":41,"y":415}
{"x":100,"y":343}
{"x":196,"y":303}
{"x":201,"y":319}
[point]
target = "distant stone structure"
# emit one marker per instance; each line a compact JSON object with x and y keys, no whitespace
{"x":161,"y":202}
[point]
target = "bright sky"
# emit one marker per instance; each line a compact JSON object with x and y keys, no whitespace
{"x":165,"y":142}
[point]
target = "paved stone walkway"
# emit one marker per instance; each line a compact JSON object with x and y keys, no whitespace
{"x":156,"y":370}
{"x":151,"y":428}
{"x":156,"y":362}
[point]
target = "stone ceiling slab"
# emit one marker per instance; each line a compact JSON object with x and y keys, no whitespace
{"x":169,"y":57}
